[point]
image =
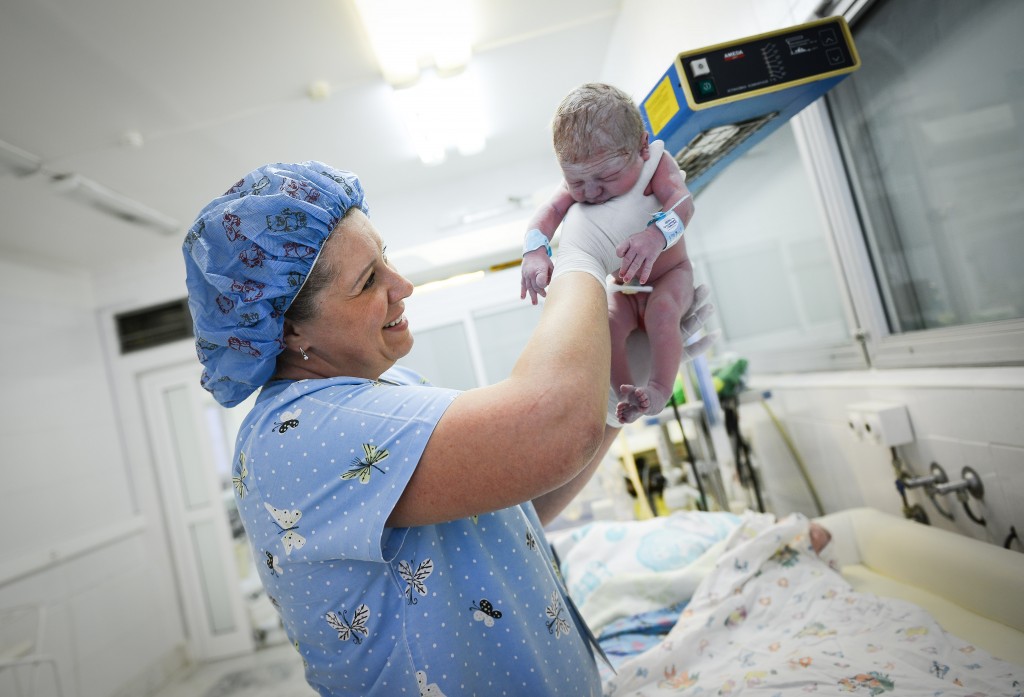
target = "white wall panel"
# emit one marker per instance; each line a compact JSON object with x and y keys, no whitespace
{"x":954,"y":424}
{"x":67,"y":491}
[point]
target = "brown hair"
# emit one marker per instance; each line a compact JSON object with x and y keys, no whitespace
{"x":596,"y":119}
{"x":304,"y":306}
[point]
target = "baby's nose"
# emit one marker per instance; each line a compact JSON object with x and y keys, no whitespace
{"x":592,"y":190}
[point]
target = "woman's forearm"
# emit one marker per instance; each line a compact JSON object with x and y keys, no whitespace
{"x":568,"y":355}
{"x":528,"y":435}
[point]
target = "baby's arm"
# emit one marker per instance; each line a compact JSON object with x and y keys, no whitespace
{"x":537,"y":266}
{"x":669,"y":186}
{"x":641,"y":250}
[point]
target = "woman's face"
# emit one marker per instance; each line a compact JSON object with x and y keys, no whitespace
{"x":360,"y":329}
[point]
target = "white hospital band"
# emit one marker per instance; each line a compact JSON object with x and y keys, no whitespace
{"x":670,"y":224}
{"x":535,"y":239}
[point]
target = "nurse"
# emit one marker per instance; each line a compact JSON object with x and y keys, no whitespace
{"x":397,"y":526}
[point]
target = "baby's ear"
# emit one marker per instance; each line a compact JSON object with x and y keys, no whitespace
{"x":645,"y":147}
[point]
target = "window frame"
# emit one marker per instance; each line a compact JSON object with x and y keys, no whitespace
{"x":873,"y":345}
{"x":978,"y":344}
{"x":819,"y":153}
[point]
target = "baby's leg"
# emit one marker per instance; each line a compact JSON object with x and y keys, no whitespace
{"x":672,"y":295}
{"x":623,"y":320}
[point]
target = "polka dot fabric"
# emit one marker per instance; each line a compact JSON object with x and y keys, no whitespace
{"x":470,"y":607}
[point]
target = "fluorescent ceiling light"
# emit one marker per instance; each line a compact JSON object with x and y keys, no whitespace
{"x":458,"y":280}
{"x":112,"y":203}
{"x":407,"y":35}
{"x":17,"y":161}
{"x":476,"y":250}
{"x":423,"y":49}
{"x":22,"y":163}
{"x":442,"y":114}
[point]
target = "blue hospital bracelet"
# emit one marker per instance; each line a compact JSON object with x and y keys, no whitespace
{"x":670,"y":224}
{"x":535,"y":239}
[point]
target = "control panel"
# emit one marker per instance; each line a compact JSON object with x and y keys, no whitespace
{"x":766,"y":62}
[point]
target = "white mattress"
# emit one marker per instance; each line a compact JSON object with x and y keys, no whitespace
{"x":973,"y":589}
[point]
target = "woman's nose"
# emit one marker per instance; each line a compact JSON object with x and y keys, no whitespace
{"x":401,"y":288}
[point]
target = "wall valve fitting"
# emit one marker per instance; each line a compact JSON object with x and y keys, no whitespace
{"x":971,"y":483}
{"x":937,"y":476}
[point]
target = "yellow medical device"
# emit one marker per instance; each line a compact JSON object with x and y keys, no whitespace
{"x":717,"y":102}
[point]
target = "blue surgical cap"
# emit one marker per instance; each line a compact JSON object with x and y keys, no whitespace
{"x":246,"y":257}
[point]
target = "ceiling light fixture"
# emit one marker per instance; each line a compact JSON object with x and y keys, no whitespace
{"x":457,"y":280}
{"x":24,"y":164}
{"x":408,"y":35}
{"x":442,"y":114}
{"x":112,"y":203}
{"x":423,"y":49}
{"x":17,"y":161}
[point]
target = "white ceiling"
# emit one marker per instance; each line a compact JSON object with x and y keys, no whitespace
{"x":217,"y":87}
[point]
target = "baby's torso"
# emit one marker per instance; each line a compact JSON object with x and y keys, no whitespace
{"x":600,"y":228}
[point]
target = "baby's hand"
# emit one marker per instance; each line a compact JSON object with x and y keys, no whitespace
{"x":536,"y":270}
{"x":639,"y":252}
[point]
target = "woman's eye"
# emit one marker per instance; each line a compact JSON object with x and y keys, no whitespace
{"x":370,"y":280}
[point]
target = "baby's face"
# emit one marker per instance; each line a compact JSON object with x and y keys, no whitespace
{"x":602,"y":177}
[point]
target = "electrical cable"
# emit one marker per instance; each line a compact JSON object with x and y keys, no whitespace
{"x":689,"y":455}
{"x":1011,"y":537}
{"x":796,"y":456}
{"x":741,"y":449}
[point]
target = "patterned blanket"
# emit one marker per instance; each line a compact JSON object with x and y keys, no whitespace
{"x":773,"y":618}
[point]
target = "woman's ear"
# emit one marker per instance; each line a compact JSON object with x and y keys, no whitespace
{"x":290,"y":335}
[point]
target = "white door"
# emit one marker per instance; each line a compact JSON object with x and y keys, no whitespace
{"x":186,"y":428}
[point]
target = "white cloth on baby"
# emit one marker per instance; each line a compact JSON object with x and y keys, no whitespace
{"x":591,"y":232}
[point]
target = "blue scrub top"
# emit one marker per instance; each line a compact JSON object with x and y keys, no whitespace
{"x":469,"y":607}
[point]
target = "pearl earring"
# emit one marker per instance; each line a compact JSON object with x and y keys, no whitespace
{"x":304,"y":356}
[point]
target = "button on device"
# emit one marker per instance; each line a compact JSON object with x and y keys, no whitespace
{"x":706,"y":87}
{"x":699,"y":67}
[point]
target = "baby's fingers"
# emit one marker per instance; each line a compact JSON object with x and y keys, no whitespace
{"x":631,"y":263}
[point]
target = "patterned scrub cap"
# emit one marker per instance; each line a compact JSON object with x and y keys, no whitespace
{"x":246,"y":257}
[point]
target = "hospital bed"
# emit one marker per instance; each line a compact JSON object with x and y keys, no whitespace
{"x":729,"y":603}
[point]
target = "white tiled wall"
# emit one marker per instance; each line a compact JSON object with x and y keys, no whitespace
{"x":955,"y":424}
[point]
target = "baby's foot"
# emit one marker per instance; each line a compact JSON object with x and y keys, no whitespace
{"x":633,"y":403}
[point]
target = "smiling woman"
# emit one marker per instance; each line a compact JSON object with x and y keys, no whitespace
{"x":333,"y":322}
{"x":390,"y":517}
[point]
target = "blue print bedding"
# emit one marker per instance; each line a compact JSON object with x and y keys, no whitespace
{"x":618,"y":569}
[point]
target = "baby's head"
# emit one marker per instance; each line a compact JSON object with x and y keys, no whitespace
{"x":820,"y":537}
{"x":600,"y":142}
